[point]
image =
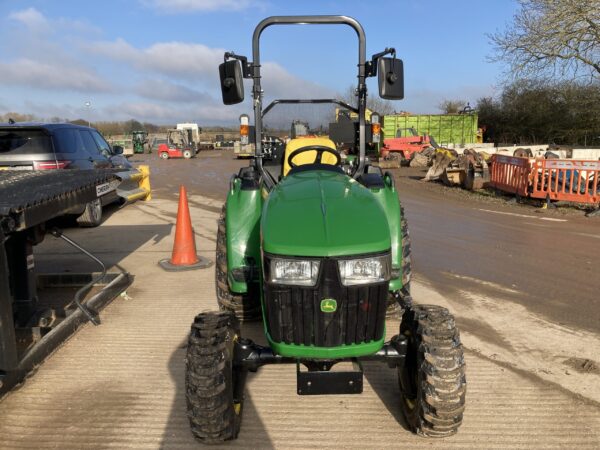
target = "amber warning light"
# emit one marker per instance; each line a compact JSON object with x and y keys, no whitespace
{"x":375,"y":127}
{"x":244,"y":129}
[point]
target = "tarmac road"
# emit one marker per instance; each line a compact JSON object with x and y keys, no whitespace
{"x":503,"y":268}
{"x":537,"y":264}
{"x":551,"y":261}
{"x":550,"y":258}
{"x":523,"y":289}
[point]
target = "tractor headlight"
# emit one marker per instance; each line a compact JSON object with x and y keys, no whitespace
{"x":294,"y":271}
{"x":365,"y":270}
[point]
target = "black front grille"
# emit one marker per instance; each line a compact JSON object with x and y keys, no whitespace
{"x":294,"y":313}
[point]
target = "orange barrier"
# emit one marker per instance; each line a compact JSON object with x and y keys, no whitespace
{"x":553,"y":179}
{"x":566,"y":180}
{"x":510,"y":174}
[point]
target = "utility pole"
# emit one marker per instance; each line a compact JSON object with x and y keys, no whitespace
{"x":88,"y":105}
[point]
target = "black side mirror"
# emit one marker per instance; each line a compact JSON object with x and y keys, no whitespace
{"x":391,"y":78}
{"x":117,"y":150}
{"x":232,"y":83}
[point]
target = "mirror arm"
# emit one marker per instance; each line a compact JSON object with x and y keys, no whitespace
{"x":246,"y":66}
{"x":371,"y":66}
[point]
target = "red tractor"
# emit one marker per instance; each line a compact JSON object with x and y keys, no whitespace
{"x":178,"y":145}
{"x":406,"y":142}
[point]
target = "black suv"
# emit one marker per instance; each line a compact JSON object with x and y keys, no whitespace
{"x":41,"y":146}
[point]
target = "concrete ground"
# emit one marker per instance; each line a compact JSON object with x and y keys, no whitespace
{"x":533,"y":377}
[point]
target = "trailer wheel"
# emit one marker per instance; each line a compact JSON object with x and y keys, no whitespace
{"x":214,"y":386}
{"x":398,"y":300}
{"x":92,"y":215}
{"x":164,"y":155}
{"x":432,"y":380}
{"x":246,"y":307}
{"x":187,"y":154}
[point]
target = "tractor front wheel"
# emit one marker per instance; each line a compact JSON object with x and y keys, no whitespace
{"x":432,"y":380}
{"x":246,"y":307}
{"x":187,"y":154}
{"x":214,"y":386}
{"x":401,"y":299}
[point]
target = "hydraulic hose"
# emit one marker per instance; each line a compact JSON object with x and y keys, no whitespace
{"x":77,"y":299}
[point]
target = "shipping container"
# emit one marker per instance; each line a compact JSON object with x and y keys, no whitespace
{"x":444,"y":128}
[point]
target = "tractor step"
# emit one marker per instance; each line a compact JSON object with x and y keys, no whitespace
{"x":328,"y":382}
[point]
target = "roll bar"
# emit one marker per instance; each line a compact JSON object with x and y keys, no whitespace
{"x":257,"y":94}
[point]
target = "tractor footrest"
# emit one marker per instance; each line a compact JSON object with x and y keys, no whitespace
{"x":321,"y":382}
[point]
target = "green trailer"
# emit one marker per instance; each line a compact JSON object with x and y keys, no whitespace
{"x":444,"y":128}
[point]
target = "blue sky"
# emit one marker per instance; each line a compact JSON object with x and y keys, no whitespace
{"x":156,"y":60}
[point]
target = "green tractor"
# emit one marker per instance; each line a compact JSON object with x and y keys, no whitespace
{"x":320,"y":253}
{"x":139,"y":140}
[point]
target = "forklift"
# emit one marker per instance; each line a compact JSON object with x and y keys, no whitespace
{"x":178,"y":145}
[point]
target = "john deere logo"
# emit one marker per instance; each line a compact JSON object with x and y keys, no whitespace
{"x":328,"y":305}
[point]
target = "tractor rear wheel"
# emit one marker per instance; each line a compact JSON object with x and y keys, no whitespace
{"x":432,"y":380}
{"x":246,"y":307}
{"x":164,"y":155}
{"x":214,"y":386}
{"x":399,"y":300}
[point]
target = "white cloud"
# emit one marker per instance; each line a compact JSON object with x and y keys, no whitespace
{"x":27,"y":72}
{"x":43,"y":56}
{"x":179,"y":6}
{"x":37,"y":23}
{"x":171,"y":92}
{"x":170,"y":114}
{"x":142,"y":111}
{"x":279,"y":83}
{"x":31,"y":18}
{"x":45,"y":111}
{"x":177,"y":59}
{"x":199,"y":63}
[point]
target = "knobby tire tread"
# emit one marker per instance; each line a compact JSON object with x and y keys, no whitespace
{"x":209,"y":378}
{"x":436,"y":353}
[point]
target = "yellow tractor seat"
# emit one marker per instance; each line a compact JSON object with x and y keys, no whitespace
{"x":309,"y":156}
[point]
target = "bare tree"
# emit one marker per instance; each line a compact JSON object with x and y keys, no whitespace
{"x":374,"y":103}
{"x":452,"y":106}
{"x":532,"y":112}
{"x":17,"y":117}
{"x":552,"y":39}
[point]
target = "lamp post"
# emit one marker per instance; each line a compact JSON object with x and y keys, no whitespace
{"x":88,"y":105}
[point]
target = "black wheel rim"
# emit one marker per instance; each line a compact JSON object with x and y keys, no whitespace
{"x":237,"y":383}
{"x":96,"y":210}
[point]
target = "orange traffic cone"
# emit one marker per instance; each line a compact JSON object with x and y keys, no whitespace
{"x":184,"y":255}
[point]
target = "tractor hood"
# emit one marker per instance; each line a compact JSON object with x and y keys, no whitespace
{"x":323,"y":213}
